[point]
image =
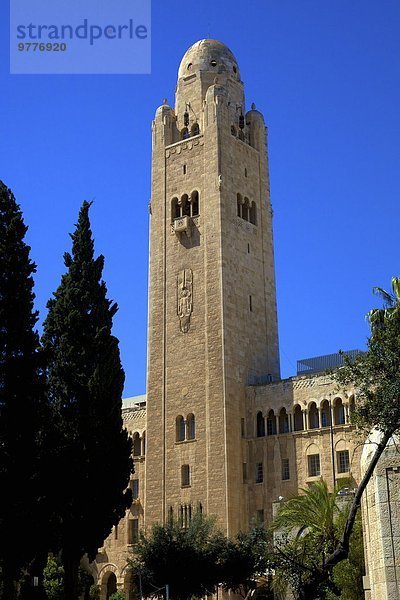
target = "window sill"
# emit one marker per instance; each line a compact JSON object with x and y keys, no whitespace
{"x":184,"y":487}
{"x":178,"y":443}
{"x":139,"y":458}
{"x":313,"y":478}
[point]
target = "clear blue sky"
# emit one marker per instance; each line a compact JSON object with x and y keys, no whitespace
{"x":326,"y":75}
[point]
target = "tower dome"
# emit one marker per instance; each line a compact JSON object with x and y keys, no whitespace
{"x":211,"y":56}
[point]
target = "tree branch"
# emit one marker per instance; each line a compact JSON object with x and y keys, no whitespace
{"x":342,"y":550}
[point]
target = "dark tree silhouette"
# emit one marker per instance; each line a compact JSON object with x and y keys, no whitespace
{"x":21,"y":399}
{"x":92,"y":457}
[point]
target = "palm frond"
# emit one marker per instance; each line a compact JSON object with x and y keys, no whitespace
{"x":314,"y":511}
{"x":396,"y":288}
{"x":386,"y":297}
{"x":375,"y":317}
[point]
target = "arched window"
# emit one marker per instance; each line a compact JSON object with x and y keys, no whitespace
{"x":338,"y":412}
{"x":185,"y":205}
{"x":175,"y":208}
{"x":195,"y":129}
{"x":245,"y":209}
{"x":137,"y":446}
{"x":313,"y":418}
{"x":239,"y":204}
{"x":283,"y":421}
{"x":260,"y":424}
{"x":298,"y":418}
{"x":190,"y":427}
{"x":180,"y":429}
{"x":351,"y":406}
{"x":185,"y":133}
{"x":325,"y":414}
{"x":253,"y":213}
{"x":271,"y":423}
{"x":194,"y":201}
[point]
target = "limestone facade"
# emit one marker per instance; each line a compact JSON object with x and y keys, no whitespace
{"x":381,"y":522}
{"x":219,"y":430}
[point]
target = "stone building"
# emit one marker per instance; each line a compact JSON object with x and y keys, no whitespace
{"x":219,"y":430}
{"x":381,"y":521}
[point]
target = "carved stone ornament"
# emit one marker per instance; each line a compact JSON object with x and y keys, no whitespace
{"x":185,"y":298}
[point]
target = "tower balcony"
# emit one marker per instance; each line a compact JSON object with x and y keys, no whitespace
{"x":182,"y":224}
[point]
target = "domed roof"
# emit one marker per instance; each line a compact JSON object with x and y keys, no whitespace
{"x":209,"y":55}
{"x":164,"y":108}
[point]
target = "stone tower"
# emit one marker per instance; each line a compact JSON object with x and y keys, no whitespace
{"x":212,"y":304}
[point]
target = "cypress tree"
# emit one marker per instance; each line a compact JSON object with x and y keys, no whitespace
{"x":85,"y":381}
{"x":21,"y":398}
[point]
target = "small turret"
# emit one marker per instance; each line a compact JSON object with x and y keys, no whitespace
{"x":256,"y":128}
{"x":164,"y":125}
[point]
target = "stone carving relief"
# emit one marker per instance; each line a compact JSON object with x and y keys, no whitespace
{"x":185,"y":298}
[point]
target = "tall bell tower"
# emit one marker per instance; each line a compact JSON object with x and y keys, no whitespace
{"x":212,"y":302}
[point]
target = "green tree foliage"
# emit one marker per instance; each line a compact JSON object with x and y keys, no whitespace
{"x":21,"y":399}
{"x":194,"y":561}
{"x":92,"y":453}
{"x":376,"y":377}
{"x":376,"y":374}
{"x":94,"y":592}
{"x":53,"y":581}
{"x":348,"y":574}
{"x":117,"y":596}
{"x":187,"y":559}
{"x":53,"y":576}
{"x":308,"y":529}
{"x":246,"y":561}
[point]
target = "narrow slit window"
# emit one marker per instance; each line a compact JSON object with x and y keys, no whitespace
{"x":175,"y":209}
{"x":259,"y":472}
{"x":194,"y":197}
{"x":239,"y":201}
{"x":180,"y":429}
{"x":253,"y":213}
{"x":185,"y":205}
{"x":191,"y":427}
{"x":133,"y":531}
{"x":185,"y":476}
{"x":285,"y":469}
{"x":135,"y":489}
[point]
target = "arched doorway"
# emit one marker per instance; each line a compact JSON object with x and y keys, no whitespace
{"x":108,"y":585}
{"x":128,"y":586}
